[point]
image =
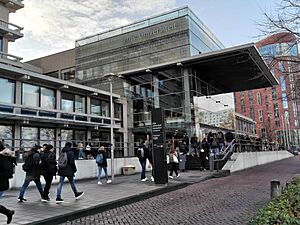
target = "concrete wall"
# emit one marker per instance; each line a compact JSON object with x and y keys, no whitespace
{"x":85,"y":169}
{"x":244,"y":160}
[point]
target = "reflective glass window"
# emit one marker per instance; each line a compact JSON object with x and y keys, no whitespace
{"x":284,"y":101}
{"x":118,"y":111}
{"x":66,"y":136}
{"x":30,"y":95}
{"x":29,"y":136}
{"x":95,"y":106}
{"x":6,"y":134}
{"x":67,"y":102}
{"x":47,"y":98}
{"x":7,"y":88}
{"x":79,"y":104}
{"x":105,"y":108}
{"x":47,"y":136}
{"x":282,"y":83}
{"x":1,"y":43}
{"x":258,"y":98}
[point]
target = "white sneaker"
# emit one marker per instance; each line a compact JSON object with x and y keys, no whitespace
{"x":171,"y":177}
{"x":108,"y":181}
{"x":152,"y":178}
{"x":178,"y":175}
{"x":145,"y":179}
{"x":99,"y":182}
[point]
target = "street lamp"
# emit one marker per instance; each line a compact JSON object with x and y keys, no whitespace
{"x":110,"y":77}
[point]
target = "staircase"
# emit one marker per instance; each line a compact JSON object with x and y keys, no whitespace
{"x":193,"y":163}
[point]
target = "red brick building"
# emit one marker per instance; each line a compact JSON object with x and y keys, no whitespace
{"x":276,"y":109}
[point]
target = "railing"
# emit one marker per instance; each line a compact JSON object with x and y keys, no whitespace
{"x":10,"y":26}
{"x":10,"y":57}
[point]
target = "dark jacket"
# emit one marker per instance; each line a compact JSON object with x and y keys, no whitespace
{"x":7,"y":164}
{"x":70,"y":169}
{"x":104,"y":162}
{"x":35,"y":172}
{"x":48,"y":165}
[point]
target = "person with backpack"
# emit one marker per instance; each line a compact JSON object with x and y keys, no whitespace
{"x":67,"y":168}
{"x":32,"y":168}
{"x":48,"y":169}
{"x":142,"y":158}
{"x":101,"y":160}
{"x":7,"y":163}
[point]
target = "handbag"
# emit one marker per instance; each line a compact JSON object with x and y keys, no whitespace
{"x":175,"y":159}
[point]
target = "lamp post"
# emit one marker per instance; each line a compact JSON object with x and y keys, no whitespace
{"x":110,"y":77}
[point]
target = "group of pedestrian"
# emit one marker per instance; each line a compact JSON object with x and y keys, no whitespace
{"x":144,"y":152}
{"x":42,"y":161}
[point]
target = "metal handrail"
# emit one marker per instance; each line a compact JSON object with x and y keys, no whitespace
{"x":11,"y":26}
{"x":10,"y":57}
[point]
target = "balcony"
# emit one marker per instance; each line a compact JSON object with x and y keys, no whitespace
{"x":10,"y":30}
{"x":13,"y":5}
{"x":10,"y":60}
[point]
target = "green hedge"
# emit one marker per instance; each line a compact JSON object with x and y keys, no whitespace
{"x":283,"y":210}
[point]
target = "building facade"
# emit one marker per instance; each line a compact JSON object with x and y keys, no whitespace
{"x":37,"y":107}
{"x":276,"y":110}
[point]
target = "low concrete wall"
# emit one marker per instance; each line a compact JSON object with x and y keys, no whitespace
{"x":246,"y":160}
{"x":85,"y":169}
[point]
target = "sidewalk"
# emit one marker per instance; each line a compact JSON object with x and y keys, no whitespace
{"x":97,"y":198}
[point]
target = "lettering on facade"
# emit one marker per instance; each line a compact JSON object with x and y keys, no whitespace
{"x":148,"y":34}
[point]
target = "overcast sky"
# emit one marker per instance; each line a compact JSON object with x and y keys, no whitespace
{"x":53,"y":26}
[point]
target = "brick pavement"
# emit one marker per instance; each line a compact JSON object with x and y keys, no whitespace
{"x":96,"y":197}
{"x":229,"y":200}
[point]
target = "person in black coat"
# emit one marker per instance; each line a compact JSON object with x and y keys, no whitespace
{"x":48,"y":169}
{"x":33,"y":172}
{"x":7,"y":163}
{"x":68,"y":171}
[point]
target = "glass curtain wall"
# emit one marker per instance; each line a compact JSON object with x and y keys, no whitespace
{"x":7,"y":88}
{"x":6,"y":134}
{"x":47,"y":98}
{"x":29,"y":137}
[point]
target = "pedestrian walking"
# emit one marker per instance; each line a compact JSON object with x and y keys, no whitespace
{"x":7,"y":163}
{"x":142,"y":158}
{"x":80,"y":149}
{"x":101,"y":160}
{"x":32,"y":168}
{"x":172,"y":159}
{"x":48,"y":169}
{"x":67,"y":168}
{"x":148,"y":155}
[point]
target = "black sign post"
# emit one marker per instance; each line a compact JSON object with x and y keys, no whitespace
{"x":160,"y":172}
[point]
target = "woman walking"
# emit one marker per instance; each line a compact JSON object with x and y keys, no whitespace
{"x":101,"y":160}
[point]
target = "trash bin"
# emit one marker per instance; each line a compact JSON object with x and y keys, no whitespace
{"x":128,"y":170}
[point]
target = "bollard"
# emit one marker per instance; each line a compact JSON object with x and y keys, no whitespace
{"x":275,"y":188}
{"x":211,"y":160}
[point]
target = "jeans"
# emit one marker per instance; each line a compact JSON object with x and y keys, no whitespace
{"x":143,"y":165}
{"x":61,"y":183}
{"x":26,"y":184}
{"x":1,"y":194}
{"x":173,"y":168}
{"x":100,"y":171}
{"x":81,"y":154}
{"x":48,"y":178}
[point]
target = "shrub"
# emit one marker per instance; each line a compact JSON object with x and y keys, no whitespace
{"x":283,"y":210}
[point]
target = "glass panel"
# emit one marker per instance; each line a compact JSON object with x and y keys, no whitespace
{"x":47,"y":98}
{"x":284,"y":101}
{"x":65,"y":136}
{"x":80,"y":136}
{"x":105,"y":108}
{"x":79,"y":104}
{"x":282,"y":83}
{"x":1,"y":43}
{"x":30,"y":95}
{"x":29,"y":136}
{"x":7,"y":88}
{"x":67,"y":102}
{"x":95,"y":106}
{"x":47,"y":136}
{"x":118,"y":111}
{"x":68,"y":74}
{"x":6,"y":134}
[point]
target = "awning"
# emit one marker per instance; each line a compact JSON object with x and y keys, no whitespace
{"x":228,"y":70}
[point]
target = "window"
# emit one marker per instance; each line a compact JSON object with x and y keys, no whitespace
{"x":67,"y":102}
{"x":29,"y":137}
{"x":252,"y":112}
{"x":47,"y":136}
{"x":6,"y":134}
{"x":47,"y":98}
{"x":284,"y":101}
{"x":250,"y":96}
{"x":263,"y":133}
{"x":258,"y":98}
{"x":1,"y":43}
{"x":52,"y":74}
{"x":118,"y":111}
{"x":105,"y":108}
{"x":282,"y":83}
{"x":30,"y":95}
{"x":296,"y":123}
{"x":242,"y":93}
{"x":276,"y":111}
{"x":79,"y":104}
{"x":68,"y":74}
{"x":260,"y":115}
{"x":7,"y":88}
{"x":277,"y":123}
{"x":295,"y":110}
{"x":267,"y":102}
{"x":95,"y":106}
{"x":280,"y":66}
{"x":274,"y":96}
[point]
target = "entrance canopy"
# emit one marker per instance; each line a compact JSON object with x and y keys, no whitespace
{"x":229,"y":70}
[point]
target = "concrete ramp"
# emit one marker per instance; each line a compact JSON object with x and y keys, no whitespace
{"x":244,"y":160}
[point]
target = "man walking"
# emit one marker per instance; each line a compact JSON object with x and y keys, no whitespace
{"x":67,"y":168}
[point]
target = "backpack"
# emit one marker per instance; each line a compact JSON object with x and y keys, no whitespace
{"x":140,"y":153}
{"x":99,"y":158}
{"x":29,"y":164}
{"x":49,"y":164}
{"x":62,"y":160}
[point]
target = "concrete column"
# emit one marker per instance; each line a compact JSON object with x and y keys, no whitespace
{"x":18,"y":96}
{"x":58,"y":102}
{"x":88,"y":108}
{"x":156,"y":91}
{"x":187,"y":97}
{"x":57,"y":142}
{"x":17,"y":142}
